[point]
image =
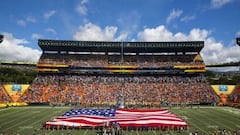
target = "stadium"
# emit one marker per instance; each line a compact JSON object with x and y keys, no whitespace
{"x":86,"y":87}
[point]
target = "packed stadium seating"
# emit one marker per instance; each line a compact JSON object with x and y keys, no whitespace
{"x":4,"y":98}
{"x":234,"y":98}
{"x":105,"y":89}
{"x":129,"y":60}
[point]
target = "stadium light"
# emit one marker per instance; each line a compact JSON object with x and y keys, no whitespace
{"x":238,"y":41}
{"x":1,"y":38}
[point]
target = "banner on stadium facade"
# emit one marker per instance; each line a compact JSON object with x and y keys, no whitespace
{"x":223,"y":91}
{"x":198,"y":58}
{"x":15,"y":91}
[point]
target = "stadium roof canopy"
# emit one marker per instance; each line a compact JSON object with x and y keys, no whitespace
{"x":128,"y":47}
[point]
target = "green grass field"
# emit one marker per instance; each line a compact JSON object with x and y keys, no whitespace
{"x":28,"y":120}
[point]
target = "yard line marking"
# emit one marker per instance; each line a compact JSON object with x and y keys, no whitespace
{"x":195,"y":125}
{"x":137,"y":132}
{"x":154,"y":131}
{"x":12,"y":120}
{"x":4,"y":109}
{"x":222,"y":125}
{"x":6,"y":129}
{"x":37,"y":121}
{"x":85,"y":132}
{"x":13,"y":111}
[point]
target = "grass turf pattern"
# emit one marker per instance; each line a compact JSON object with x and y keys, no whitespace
{"x":28,"y":120}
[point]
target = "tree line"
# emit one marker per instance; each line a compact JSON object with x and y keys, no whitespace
{"x":17,"y":75}
{"x":224,"y":78}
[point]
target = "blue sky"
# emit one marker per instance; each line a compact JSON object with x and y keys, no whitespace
{"x":217,"y":22}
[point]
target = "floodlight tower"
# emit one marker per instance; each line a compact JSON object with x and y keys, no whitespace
{"x":1,"y":38}
{"x":238,"y":40}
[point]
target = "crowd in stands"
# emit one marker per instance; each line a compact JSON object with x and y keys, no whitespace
{"x":4,"y":98}
{"x":234,"y":97}
{"x":107,"y":89}
{"x":100,"y":89}
{"x":128,"y":60}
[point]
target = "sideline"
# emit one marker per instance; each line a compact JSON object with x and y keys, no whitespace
{"x":4,"y":109}
{"x":41,"y":107}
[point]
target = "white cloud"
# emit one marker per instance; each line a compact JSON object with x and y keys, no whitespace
{"x":29,"y":19}
{"x":92,"y":32}
{"x":155,"y":34}
{"x":173,"y":15}
{"x":129,"y":23}
{"x":49,"y":14}
{"x":81,"y":9}
{"x":213,"y":51}
{"x":13,"y":49}
{"x":122,"y":36}
{"x":219,"y":3}
{"x":51,"y":30}
{"x":84,"y":1}
{"x":36,"y":36}
{"x":187,"y":18}
{"x":238,"y":34}
{"x":21,"y":23}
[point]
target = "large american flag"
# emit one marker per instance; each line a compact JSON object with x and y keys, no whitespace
{"x":124,"y":117}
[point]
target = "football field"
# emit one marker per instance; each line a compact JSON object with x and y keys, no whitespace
{"x":28,"y":120}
